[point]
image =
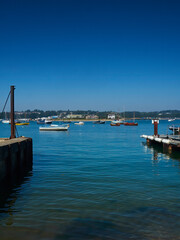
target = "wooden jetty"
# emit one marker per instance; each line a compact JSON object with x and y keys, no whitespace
{"x":169,"y":143}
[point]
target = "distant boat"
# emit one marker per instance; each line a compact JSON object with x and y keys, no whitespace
{"x":116,"y":123}
{"x":79,"y":123}
{"x":99,"y":122}
{"x":41,"y":122}
{"x":5,"y":121}
{"x":48,"y":121}
{"x":175,"y":129}
{"x":130,"y":124}
{"x":21,"y":123}
{"x":54,"y":127}
{"x":171,"y":120}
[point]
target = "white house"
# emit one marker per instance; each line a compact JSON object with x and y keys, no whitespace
{"x":111,"y":116}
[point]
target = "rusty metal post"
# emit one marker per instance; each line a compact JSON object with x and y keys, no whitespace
{"x":155,"y":128}
{"x":13,"y":135}
{"x":155,"y":122}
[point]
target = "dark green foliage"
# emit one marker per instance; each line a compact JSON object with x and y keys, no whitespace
{"x":102,"y":115}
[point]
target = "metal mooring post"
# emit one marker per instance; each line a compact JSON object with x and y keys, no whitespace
{"x":155,"y":122}
{"x":13,"y":135}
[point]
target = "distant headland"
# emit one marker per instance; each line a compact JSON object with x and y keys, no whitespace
{"x":93,"y":115}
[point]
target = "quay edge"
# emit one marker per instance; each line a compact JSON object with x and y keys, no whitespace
{"x":16,"y":158}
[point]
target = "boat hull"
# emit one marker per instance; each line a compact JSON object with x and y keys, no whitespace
{"x":53,"y":129}
{"x":21,"y":124}
{"x":116,"y":124}
{"x":5,"y":121}
{"x":79,"y":123}
{"x":130,"y":124}
{"x":99,"y":122}
{"x":41,"y":122}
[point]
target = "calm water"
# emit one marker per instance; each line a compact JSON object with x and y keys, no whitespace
{"x":94,"y":182}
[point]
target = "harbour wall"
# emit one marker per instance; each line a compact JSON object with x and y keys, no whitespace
{"x":16,"y":159}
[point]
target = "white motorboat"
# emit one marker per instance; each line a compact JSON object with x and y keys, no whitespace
{"x":6,"y":121}
{"x":79,"y":123}
{"x":175,"y":129}
{"x":54,"y":127}
{"x":118,"y":121}
{"x":171,"y":120}
{"x":47,"y":121}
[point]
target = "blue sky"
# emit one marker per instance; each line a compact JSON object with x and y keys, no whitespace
{"x":90,"y":54}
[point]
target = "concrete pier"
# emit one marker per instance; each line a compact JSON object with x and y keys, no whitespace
{"x":169,"y":143}
{"x":15,"y":158}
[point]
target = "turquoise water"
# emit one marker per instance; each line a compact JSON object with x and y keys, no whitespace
{"x":94,"y":182}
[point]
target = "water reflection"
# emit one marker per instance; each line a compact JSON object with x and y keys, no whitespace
{"x":9,"y":194}
{"x":158,"y":153}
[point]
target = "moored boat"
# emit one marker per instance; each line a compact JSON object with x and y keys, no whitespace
{"x":99,"y":122}
{"x":175,"y":129}
{"x":21,"y":123}
{"x":171,"y":120}
{"x":54,"y":127}
{"x":48,"y":121}
{"x":79,"y":123}
{"x":5,"y":121}
{"x":116,"y":123}
{"x":40,"y":121}
{"x":130,"y":124}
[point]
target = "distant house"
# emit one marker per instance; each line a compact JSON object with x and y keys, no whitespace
{"x":92,"y":116}
{"x":72,"y":116}
{"x":111,"y":116}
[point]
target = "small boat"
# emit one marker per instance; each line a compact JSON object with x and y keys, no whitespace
{"x":99,"y":122}
{"x":41,"y":122}
{"x":5,"y":121}
{"x":21,"y":123}
{"x":171,"y":120}
{"x":48,"y":121}
{"x":79,"y":123}
{"x":116,"y":123}
{"x":130,"y":124}
{"x":54,"y":127}
{"x":175,"y":129}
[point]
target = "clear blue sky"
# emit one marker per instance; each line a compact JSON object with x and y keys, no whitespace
{"x":91,"y":54}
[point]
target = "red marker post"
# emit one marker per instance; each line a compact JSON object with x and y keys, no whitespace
{"x":155,"y":122}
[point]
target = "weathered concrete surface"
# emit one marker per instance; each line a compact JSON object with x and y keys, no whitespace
{"x":15,"y":158}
